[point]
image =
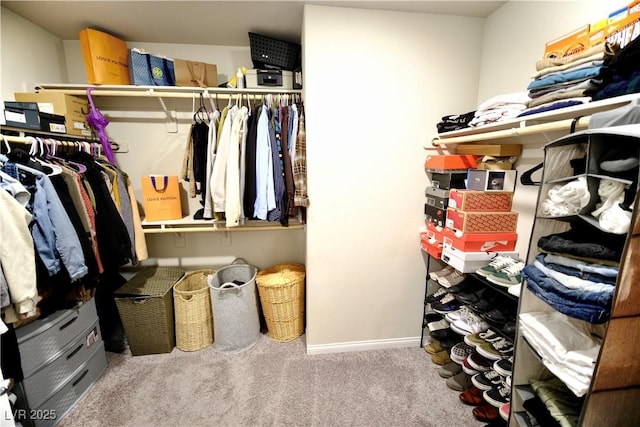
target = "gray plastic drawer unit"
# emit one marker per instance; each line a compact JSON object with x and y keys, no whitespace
{"x":42,"y":341}
{"x":47,"y":380}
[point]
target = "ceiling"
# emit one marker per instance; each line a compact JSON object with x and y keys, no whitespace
{"x":222,"y":23}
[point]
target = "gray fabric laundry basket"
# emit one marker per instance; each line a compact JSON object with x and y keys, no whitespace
{"x":235,"y":307}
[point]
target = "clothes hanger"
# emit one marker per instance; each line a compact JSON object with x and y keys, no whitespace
{"x":51,"y":155}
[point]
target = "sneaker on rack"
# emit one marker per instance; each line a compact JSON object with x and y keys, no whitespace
{"x":445,"y":305}
{"x":451,"y":279}
{"x":499,"y":262}
{"x":508,"y":276}
{"x":515,"y":290}
{"x":436,"y":296}
{"x":504,"y":366}
{"x":478,"y":362}
{"x":460,"y":351}
{"x":498,"y":395}
{"x":496,"y":350}
{"x":474,"y":340}
{"x":490,"y":335}
{"x":433,"y":347}
{"x":434,"y":275}
{"x":504,"y":411}
{"x":486,"y":380}
{"x":469,"y":324}
{"x":449,"y":370}
{"x":452,"y":316}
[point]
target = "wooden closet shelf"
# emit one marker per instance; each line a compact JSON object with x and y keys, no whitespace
{"x":189,"y":225}
{"x":156,"y":91}
{"x":548,"y":121}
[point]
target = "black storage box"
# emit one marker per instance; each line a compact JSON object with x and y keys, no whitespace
{"x":22,"y":114}
{"x":52,"y":123}
{"x":267,"y":52}
{"x":448,"y":180}
{"x":435,"y":215}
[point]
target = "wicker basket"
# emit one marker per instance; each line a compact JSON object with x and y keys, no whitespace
{"x":194,"y":315}
{"x":281,"y":290}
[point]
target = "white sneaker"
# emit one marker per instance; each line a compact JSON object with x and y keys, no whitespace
{"x":499,"y":262}
{"x":451,"y":279}
{"x":434,"y":275}
{"x":515,"y":290}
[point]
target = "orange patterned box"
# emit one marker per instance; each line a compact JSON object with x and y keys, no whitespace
{"x":479,"y":242}
{"x":482,"y":222}
{"x":472,"y":200}
{"x":568,"y":44}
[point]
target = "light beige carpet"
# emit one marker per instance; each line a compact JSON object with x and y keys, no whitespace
{"x":272,"y":384}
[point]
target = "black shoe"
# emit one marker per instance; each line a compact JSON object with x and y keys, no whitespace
{"x":497,"y":317}
{"x":469,"y":298}
{"x":466,"y":285}
{"x":509,"y":329}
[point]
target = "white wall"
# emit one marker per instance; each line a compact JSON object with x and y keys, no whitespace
{"x":30,"y":55}
{"x":376,"y":84}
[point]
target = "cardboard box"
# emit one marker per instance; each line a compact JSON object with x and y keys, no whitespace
{"x":435,"y":215}
{"x":491,"y":180}
{"x":450,"y":162}
{"x":56,"y":102}
{"x":73,"y":108}
{"x":478,"y":242}
{"x":145,"y":304}
{"x":469,"y":262}
{"x":22,"y":115}
{"x":499,"y":150}
{"x":568,"y":44}
{"x":482,"y":222}
{"x":483,"y":201}
{"x":598,"y":32}
{"x":624,"y":25}
{"x":448,"y":180}
{"x":437,"y":197}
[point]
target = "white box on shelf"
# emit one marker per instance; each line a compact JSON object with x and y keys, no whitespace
{"x":469,"y":262}
{"x":491,"y":180}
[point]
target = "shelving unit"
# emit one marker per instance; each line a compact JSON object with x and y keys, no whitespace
{"x":528,"y":364}
{"x":560,"y":120}
{"x":187,"y":224}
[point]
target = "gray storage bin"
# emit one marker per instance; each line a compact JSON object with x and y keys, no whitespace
{"x":235,"y":307}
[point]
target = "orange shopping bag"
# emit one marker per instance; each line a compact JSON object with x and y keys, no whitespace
{"x":106,"y":58}
{"x":161,"y":197}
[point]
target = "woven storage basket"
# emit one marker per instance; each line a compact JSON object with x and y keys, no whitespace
{"x":281,"y":290}
{"x":194,"y":315}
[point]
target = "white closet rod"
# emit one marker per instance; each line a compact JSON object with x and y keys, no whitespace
{"x":182,"y":92}
{"x":560,"y":125}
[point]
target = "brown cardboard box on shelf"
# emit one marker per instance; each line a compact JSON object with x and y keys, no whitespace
{"x":483,"y":201}
{"x":498,"y":150}
{"x":73,"y":108}
{"x":482,"y":222}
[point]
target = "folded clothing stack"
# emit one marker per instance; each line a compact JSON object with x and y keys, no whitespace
{"x":499,"y":108}
{"x":454,"y":122}
{"x":567,"y":199}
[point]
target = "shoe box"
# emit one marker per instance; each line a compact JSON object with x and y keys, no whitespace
{"x":435,"y":207}
{"x":448,"y":180}
{"x":479,"y":242}
{"x":73,"y":108}
{"x":431,"y":240}
{"x":450,"y":162}
{"x":482,"y":222}
{"x":469,"y":262}
{"x":491,"y":180}
{"x":485,"y":201}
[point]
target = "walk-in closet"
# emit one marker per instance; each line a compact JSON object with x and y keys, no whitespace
{"x":357,"y":145}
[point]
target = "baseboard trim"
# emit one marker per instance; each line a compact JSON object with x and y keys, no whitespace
{"x":363,"y":345}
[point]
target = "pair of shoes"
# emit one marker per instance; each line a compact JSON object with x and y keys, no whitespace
{"x":478,"y":363}
{"x":465,"y":286}
{"x":449,"y":370}
{"x":460,"y":351}
{"x":508,"y":276}
{"x":454,"y":315}
{"x":487,"y":380}
{"x":436,"y":296}
{"x":434,"y":275}
{"x":496,"y":350}
{"x":474,"y":340}
{"x":498,"y":395}
{"x":498,"y":263}
{"x":498,"y":317}
{"x":445,"y":305}
{"x":440,"y":358}
{"x":504,"y":366}
{"x":469,"y":323}
{"x":452,"y":279}
{"x":459,"y":382}
{"x":485,"y":413}
{"x":433,"y":347}
{"x":472,"y":396}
